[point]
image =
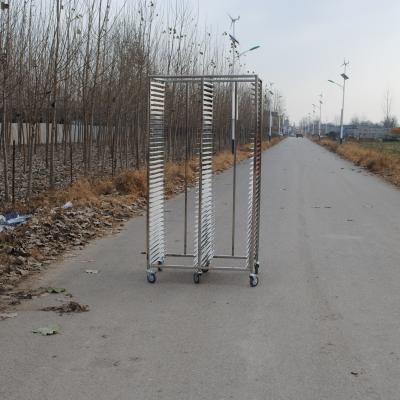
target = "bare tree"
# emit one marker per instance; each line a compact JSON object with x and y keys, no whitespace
{"x":74,"y":85}
{"x":389,"y":120}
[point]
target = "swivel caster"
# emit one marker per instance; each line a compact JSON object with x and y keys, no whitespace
{"x":253,"y":280}
{"x":205,"y":269}
{"x":196,"y":277}
{"x":151,"y":277}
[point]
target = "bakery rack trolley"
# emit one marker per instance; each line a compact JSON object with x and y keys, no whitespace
{"x":203,"y":257}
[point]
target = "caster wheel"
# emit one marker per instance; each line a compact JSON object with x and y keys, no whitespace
{"x":205,"y":270}
{"x":256,"y":267}
{"x":151,"y":277}
{"x":253,"y":281}
{"x":196,"y":278}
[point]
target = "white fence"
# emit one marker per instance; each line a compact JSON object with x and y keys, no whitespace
{"x":19,"y":132}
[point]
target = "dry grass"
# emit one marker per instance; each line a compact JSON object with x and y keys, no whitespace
{"x":376,"y":161}
{"x":130,"y":185}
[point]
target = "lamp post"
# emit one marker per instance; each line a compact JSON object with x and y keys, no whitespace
{"x":278,"y":108}
{"x":345,"y":78}
{"x":313,"y":121}
{"x":234,"y":86}
{"x":320,"y":116}
{"x":270,"y":110}
{"x":280,"y":121}
{"x":235,"y":43}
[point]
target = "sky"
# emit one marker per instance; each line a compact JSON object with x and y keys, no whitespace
{"x":304,"y":42}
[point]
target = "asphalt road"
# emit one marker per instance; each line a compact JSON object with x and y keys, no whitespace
{"x":323,"y":323}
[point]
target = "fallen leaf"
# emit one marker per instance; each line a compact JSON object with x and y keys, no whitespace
{"x":47,"y":330}
{"x":55,"y":290}
{"x":92,"y":271}
{"x":72,"y":306}
{"x":7,"y":315}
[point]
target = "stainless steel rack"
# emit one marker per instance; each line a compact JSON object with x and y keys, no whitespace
{"x":203,"y":258}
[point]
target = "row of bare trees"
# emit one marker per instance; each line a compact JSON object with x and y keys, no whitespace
{"x":74,"y":79}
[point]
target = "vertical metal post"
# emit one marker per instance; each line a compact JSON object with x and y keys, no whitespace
{"x":279,"y":124}
{"x":258,"y":171}
{"x":341,"y":114}
{"x":234,"y":178}
{"x":200,"y":197}
{"x":270,"y":121}
{"x":233,"y":93}
{"x":148,"y":177}
{"x":186,"y":168}
{"x":319,"y":122}
{"x":313,"y":121}
{"x":320,"y":117}
{"x":253,"y":206}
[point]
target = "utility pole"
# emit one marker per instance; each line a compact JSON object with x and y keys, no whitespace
{"x":313,"y":121}
{"x":271,"y":93}
{"x":343,"y":87}
{"x":233,"y":130}
{"x":320,"y":116}
{"x":345,"y":77}
{"x":279,"y":123}
{"x":234,"y":99}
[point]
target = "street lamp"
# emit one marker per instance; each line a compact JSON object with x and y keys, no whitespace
{"x":277,"y":110}
{"x":320,"y":116}
{"x":236,"y":43}
{"x":345,"y":78}
{"x":281,"y":124}
{"x":313,"y":121}
{"x":251,"y":49}
{"x":270,"y":110}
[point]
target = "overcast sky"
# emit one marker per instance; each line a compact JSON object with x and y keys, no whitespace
{"x":303,"y":43}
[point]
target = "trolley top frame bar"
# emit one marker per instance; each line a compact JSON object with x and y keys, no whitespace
{"x":199,"y":78}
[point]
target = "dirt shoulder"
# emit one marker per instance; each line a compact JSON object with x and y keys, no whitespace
{"x":376,"y":159}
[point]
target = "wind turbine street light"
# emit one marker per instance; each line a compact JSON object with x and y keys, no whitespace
{"x":235,"y":54}
{"x":313,"y":121}
{"x":335,"y":83}
{"x":343,"y":87}
{"x":235,"y":43}
{"x":251,"y":49}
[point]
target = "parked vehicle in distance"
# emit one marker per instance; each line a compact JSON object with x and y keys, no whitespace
{"x":299,"y":134}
